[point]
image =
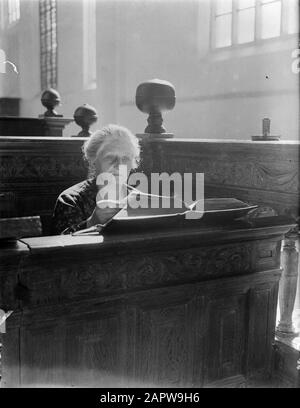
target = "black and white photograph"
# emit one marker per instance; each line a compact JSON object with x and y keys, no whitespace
{"x":149,"y":197}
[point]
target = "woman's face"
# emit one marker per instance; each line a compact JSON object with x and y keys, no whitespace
{"x":113,"y":155}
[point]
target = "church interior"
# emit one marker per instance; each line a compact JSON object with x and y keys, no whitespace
{"x":206,"y":87}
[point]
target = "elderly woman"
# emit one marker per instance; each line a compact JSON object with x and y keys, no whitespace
{"x":105,"y":151}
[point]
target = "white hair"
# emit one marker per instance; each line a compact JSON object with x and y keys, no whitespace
{"x":104,"y":137}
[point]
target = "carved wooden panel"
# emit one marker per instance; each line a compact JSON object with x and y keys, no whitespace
{"x":169,"y":339}
{"x":10,"y":356}
{"x":187,"y":335}
{"x":87,"y":349}
{"x":261,"y":173}
{"x":40,"y":355}
{"x":8,"y":204}
{"x":36,"y":171}
{"x":154,"y":316}
{"x":40,"y":168}
{"x":261,"y":328}
{"x":96,"y":352}
{"x":55,"y":281}
{"x":268,"y":254}
{"x":253,"y":174}
{"x":226,"y":337}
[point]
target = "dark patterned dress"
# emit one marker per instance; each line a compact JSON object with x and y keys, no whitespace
{"x":74,"y":206}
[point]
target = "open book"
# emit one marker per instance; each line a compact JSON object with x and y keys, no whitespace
{"x":168,"y":211}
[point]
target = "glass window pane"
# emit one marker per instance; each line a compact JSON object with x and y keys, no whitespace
{"x":48,"y":43}
{"x":223,"y":31}
{"x":271,"y":19}
{"x":246,"y":26}
{"x":223,"y":6}
{"x":89,"y":45}
{"x":293,"y":16}
{"x":242,"y":4}
{"x":17,"y":9}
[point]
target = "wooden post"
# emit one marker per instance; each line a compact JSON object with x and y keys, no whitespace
{"x":288,"y":285}
{"x":154,"y":97}
{"x":266,"y":125}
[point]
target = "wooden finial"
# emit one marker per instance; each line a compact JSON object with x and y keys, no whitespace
{"x":154,"y":97}
{"x":50,"y":99}
{"x":84,"y":116}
